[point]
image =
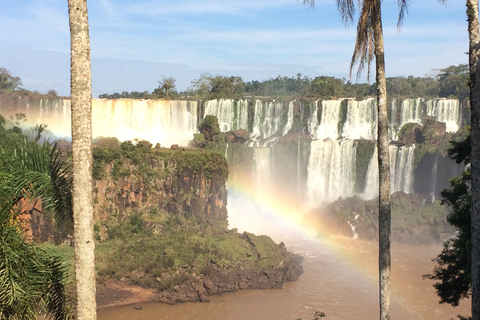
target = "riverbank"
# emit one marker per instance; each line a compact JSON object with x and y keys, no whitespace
{"x":112,"y":293}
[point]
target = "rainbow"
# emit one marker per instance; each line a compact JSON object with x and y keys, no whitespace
{"x":274,"y":213}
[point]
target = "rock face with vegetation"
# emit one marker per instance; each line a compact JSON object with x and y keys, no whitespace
{"x":161,"y":214}
{"x":415,"y":220}
{"x":137,"y":178}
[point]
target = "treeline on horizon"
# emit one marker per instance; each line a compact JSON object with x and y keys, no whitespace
{"x":451,"y":82}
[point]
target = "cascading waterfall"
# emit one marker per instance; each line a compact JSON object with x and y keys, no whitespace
{"x":231,"y":114}
{"x":411,"y":111}
{"x":55,"y":113}
{"x":401,"y":168}
{"x":331,"y":170}
{"x":158,"y":121}
{"x":262,"y":163}
{"x":448,"y":111}
{"x":371,"y":178}
{"x":361,"y":122}
{"x":271,"y":120}
{"x":433,"y":179}
{"x":401,"y":171}
{"x":330,"y":117}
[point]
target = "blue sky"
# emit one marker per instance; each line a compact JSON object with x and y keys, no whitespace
{"x":136,"y":42}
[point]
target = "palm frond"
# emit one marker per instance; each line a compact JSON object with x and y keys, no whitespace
{"x":364,"y":51}
{"x":346,"y":8}
{"x":31,"y":281}
{"x":35,"y":171}
{"x":403,"y":10}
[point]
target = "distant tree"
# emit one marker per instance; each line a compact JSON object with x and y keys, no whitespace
{"x":454,"y":81}
{"x":7,"y":81}
{"x":52,"y":93}
{"x":37,"y":131}
{"x":202,"y":85}
{"x":166,"y":87}
{"x":225,"y":87}
{"x":327,"y":87}
{"x":18,"y":119}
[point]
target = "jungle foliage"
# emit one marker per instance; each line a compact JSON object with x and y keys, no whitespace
{"x":449,"y":82}
{"x":32,"y":282}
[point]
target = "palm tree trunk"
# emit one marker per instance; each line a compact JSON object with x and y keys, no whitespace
{"x":474,"y":52}
{"x":81,"y":91}
{"x":384,"y":218}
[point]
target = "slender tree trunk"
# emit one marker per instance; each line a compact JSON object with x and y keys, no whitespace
{"x":384,"y":218}
{"x":473,"y":53}
{"x":81,"y":91}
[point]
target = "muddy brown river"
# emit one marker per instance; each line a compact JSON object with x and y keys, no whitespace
{"x":340,"y":279}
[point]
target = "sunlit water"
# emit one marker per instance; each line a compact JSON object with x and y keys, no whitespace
{"x":340,"y":279}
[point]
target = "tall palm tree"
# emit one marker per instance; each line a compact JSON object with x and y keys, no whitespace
{"x":474,"y":54}
{"x":81,"y":92}
{"x":369,"y":46}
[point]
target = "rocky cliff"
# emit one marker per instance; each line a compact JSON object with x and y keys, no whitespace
{"x":139,"y":179}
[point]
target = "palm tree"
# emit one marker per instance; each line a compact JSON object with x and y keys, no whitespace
{"x":474,"y":53}
{"x":31,"y":281}
{"x":81,"y":91}
{"x":369,"y":46}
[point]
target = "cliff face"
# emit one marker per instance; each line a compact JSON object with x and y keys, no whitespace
{"x":186,"y":182}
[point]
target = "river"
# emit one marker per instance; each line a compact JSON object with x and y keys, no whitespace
{"x":340,"y":279}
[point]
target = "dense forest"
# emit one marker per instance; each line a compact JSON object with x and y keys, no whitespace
{"x":449,"y":82}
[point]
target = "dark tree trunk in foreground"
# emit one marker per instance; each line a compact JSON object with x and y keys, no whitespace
{"x":473,"y":52}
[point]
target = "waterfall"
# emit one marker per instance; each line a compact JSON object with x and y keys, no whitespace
{"x":401,"y":171}
{"x":158,"y":121}
{"x":410,"y":111}
{"x":289,"y":123}
{"x":55,"y":113}
{"x":433,"y":179}
{"x":262,"y":169}
{"x":361,"y":122}
{"x":448,"y":111}
{"x":231,"y":114}
{"x":353,"y":225}
{"x":271,"y":120}
{"x":330,"y":118}
{"x":331,"y":170}
{"x":371,"y":178}
{"x":401,"y":168}
{"x":393,"y":113}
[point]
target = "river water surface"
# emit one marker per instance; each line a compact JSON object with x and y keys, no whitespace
{"x":340,"y":279}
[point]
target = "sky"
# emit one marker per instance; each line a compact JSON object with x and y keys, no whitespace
{"x":135,"y":43}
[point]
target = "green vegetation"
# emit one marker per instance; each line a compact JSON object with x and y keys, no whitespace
{"x":32,"y":282}
{"x":450,"y":82}
{"x":141,"y":160}
{"x":7,"y":81}
{"x":162,"y":251}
